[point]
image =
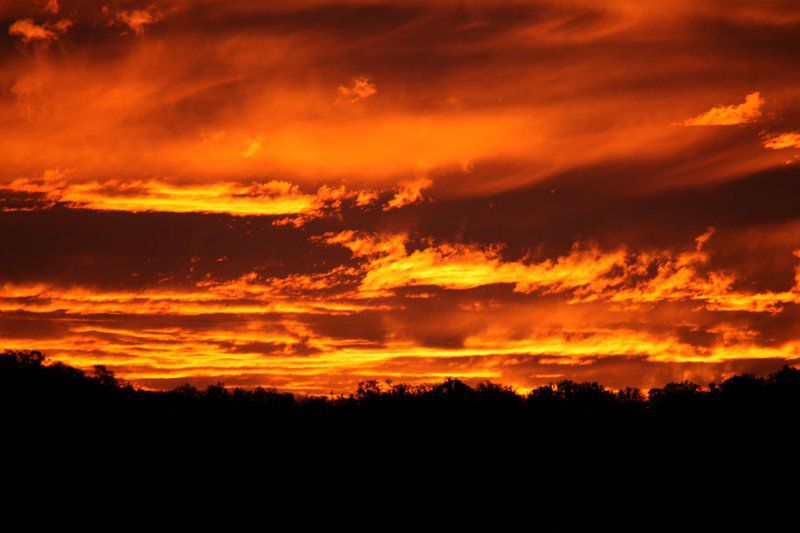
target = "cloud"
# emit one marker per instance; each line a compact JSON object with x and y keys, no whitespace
{"x":783,"y":140}
{"x":366,"y":198}
{"x":359,"y":88}
{"x":267,"y":198}
{"x":466,"y":267}
{"x":409,"y":193}
{"x":160,"y":339}
{"x":261,"y":330}
{"x":137,"y":19}
{"x":587,"y":274}
{"x":51,"y":6}
{"x":702,"y":239}
{"x":389,"y":265}
{"x":731,"y":115}
{"x":138,"y":109}
{"x":29,"y":31}
{"x":252,"y":147}
{"x":246,"y":294}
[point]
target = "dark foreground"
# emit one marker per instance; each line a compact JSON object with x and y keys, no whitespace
{"x":85,"y":453}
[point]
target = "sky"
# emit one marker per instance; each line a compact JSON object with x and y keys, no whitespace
{"x":314,"y":193}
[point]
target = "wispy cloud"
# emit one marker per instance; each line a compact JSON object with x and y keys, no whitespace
{"x":359,"y":88}
{"x":730,"y":115}
{"x":409,"y":193}
{"x":270,"y":198}
{"x":137,"y":19}
{"x":783,"y":140}
{"x":51,"y":6}
{"x":28,"y":30}
{"x":586,"y":273}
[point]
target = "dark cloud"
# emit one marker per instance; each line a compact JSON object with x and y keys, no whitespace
{"x":125,"y":250}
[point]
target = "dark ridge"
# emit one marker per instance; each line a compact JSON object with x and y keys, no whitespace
{"x":86,"y":453}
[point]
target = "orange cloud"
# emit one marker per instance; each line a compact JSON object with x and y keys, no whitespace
{"x":247,"y":294}
{"x":137,"y":19}
{"x":359,"y":88}
{"x":51,"y":6}
{"x":731,"y":115}
{"x":465,"y":266}
{"x":273,"y":198}
{"x":587,"y":273}
{"x":680,"y":277}
{"x":366,"y":198}
{"x":146,"y":112}
{"x":270,"y":198}
{"x":258,"y":350}
{"x":269,"y":343}
{"x":702,"y":239}
{"x":29,"y":31}
{"x":140,"y":111}
{"x":783,"y":140}
{"x":410,"y":193}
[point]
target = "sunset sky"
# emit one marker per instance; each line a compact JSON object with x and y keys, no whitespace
{"x":311,"y":193}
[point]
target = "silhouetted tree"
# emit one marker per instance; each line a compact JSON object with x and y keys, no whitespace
{"x":105,"y":376}
{"x":368,"y":390}
{"x":630,"y":395}
{"x":452,"y":390}
{"x":585,"y":393}
{"x":25,"y":357}
{"x":492,"y":392}
{"x":544,"y":395}
{"x":675,"y":394}
{"x":575,"y":456}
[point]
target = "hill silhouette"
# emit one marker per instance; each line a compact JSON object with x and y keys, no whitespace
{"x":88,"y":452}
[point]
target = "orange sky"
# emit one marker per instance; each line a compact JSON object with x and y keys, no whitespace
{"x":314,"y":193}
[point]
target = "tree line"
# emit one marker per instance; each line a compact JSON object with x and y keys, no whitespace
{"x":85,"y":451}
{"x":27,"y":370}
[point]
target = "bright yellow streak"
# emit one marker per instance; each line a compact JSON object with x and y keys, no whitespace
{"x":270,"y":198}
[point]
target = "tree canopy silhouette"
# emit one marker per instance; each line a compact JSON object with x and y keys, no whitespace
{"x":84,"y":450}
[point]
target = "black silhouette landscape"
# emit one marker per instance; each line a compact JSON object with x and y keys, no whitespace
{"x":89,"y":452}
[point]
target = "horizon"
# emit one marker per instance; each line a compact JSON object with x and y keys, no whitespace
{"x":35,"y":358}
{"x":32,"y":372}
